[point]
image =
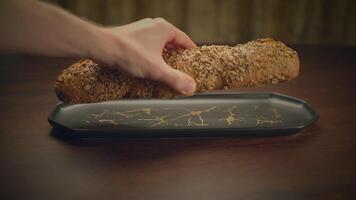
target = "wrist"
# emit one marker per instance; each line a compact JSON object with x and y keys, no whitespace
{"x":105,"y":47}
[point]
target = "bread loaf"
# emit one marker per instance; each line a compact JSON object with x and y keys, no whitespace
{"x":256,"y":63}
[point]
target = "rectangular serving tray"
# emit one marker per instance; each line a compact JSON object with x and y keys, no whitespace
{"x":202,"y":115}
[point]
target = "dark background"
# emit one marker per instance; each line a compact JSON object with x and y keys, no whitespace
{"x":325,"y":22}
{"x":316,"y":163}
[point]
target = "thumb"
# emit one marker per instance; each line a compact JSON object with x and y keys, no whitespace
{"x":177,"y":80}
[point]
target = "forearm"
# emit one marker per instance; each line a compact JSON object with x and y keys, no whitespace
{"x":33,"y":27}
{"x":38,"y":28}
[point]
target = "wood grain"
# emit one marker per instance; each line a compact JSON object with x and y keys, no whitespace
{"x":226,"y":18}
{"x":232,"y":21}
{"x":317,"y":163}
{"x":202,"y":20}
{"x":120,"y":12}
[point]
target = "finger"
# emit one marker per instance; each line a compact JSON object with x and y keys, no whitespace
{"x":170,"y":46}
{"x":175,"y":79}
{"x":182,"y":39}
{"x":176,"y":36}
{"x":143,"y":21}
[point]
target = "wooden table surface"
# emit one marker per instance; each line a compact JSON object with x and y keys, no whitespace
{"x":317,"y":163}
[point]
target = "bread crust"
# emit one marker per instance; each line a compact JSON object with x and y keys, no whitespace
{"x":214,"y":67}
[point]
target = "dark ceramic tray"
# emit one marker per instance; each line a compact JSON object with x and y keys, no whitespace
{"x":205,"y":115}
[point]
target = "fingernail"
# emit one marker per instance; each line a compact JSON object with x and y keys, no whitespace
{"x":189,"y":88}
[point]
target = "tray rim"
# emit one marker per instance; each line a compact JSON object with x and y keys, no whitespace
{"x":192,"y":132}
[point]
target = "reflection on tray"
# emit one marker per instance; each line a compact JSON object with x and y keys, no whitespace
{"x":205,"y":116}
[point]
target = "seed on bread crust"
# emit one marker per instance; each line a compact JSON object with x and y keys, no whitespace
{"x":256,"y":63}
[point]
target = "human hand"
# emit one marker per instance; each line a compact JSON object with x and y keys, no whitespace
{"x":137,"y":49}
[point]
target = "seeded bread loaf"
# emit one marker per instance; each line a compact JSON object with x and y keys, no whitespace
{"x":256,"y":63}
